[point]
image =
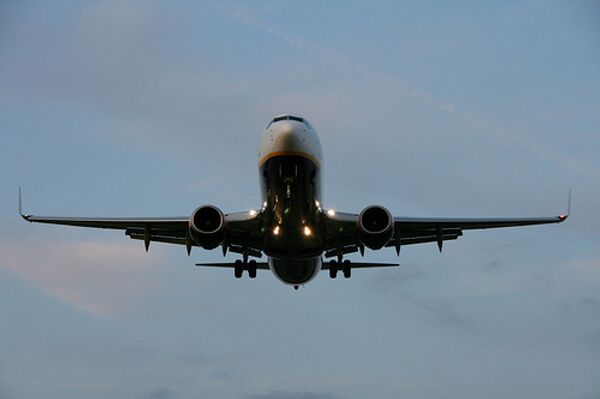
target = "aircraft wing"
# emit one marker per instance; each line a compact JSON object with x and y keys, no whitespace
{"x":416,"y":230}
{"x":343,"y":235}
{"x":172,"y":230}
{"x":169,"y":223}
{"x":410,"y":230}
{"x":411,"y":223}
{"x":241,"y":230}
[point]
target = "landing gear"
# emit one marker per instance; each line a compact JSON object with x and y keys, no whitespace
{"x":345,"y":267}
{"x":252,"y":269}
{"x":240,"y":266}
{"x":333,"y":269}
{"x":238,"y":269}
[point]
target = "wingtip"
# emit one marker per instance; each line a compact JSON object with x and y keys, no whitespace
{"x":24,"y":216}
{"x":565,"y":216}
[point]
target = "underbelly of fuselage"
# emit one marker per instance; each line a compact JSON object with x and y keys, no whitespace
{"x":291,"y":194}
{"x":295,"y":271}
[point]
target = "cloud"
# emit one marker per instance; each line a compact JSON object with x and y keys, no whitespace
{"x":445,"y":313}
{"x":398,"y":282}
{"x":226,"y":375}
{"x":293,"y":395}
{"x":591,"y":302}
{"x":492,"y":266}
{"x":575,"y":281}
{"x":393,"y":277}
{"x":161,"y":393}
{"x":194,"y":360}
{"x":578,"y":288}
{"x":100,"y":277}
{"x":412,"y":93}
{"x":113,"y":23}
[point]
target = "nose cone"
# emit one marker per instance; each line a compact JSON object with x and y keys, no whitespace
{"x":289,"y":137}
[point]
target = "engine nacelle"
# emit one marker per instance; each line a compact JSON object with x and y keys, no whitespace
{"x":207,"y":226}
{"x":376,"y":226}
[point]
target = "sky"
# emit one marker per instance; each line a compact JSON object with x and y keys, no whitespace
{"x":430,"y":108}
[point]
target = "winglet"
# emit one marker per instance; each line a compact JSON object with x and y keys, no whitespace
{"x":24,"y":216}
{"x":564,"y":217}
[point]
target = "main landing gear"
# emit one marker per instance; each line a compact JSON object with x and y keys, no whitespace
{"x":345,"y":267}
{"x":240,"y":266}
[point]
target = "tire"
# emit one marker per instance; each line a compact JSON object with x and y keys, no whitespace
{"x":347,"y":268}
{"x":238,"y":269}
{"x":333,"y":269}
{"x":252,"y":269}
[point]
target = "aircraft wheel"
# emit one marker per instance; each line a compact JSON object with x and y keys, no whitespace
{"x":252,"y":269}
{"x":238,"y":269}
{"x":347,"y":268}
{"x":333,"y":269}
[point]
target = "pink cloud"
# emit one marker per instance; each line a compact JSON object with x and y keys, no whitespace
{"x":100,"y":277}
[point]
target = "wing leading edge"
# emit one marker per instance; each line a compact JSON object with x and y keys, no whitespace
{"x":172,"y":230}
{"x":342,"y":235}
{"x":409,"y":230}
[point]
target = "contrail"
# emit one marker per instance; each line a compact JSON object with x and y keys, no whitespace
{"x":406,"y":90}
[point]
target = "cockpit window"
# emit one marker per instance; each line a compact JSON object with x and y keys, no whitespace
{"x":287,"y":118}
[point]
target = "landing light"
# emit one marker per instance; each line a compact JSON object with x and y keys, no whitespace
{"x":276,"y":230}
{"x":318,"y":204}
{"x":307,"y":231}
{"x":252,"y":212}
{"x":331,"y":212}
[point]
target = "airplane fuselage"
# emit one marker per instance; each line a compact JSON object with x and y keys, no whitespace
{"x":290,"y":158}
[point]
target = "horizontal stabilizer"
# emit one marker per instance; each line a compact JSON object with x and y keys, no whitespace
{"x":363,"y":265}
{"x":259,"y":265}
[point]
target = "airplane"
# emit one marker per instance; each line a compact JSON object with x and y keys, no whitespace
{"x":291,"y":228}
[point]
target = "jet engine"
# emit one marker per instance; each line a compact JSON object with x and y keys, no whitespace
{"x":207,"y":226}
{"x":376,"y":226}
